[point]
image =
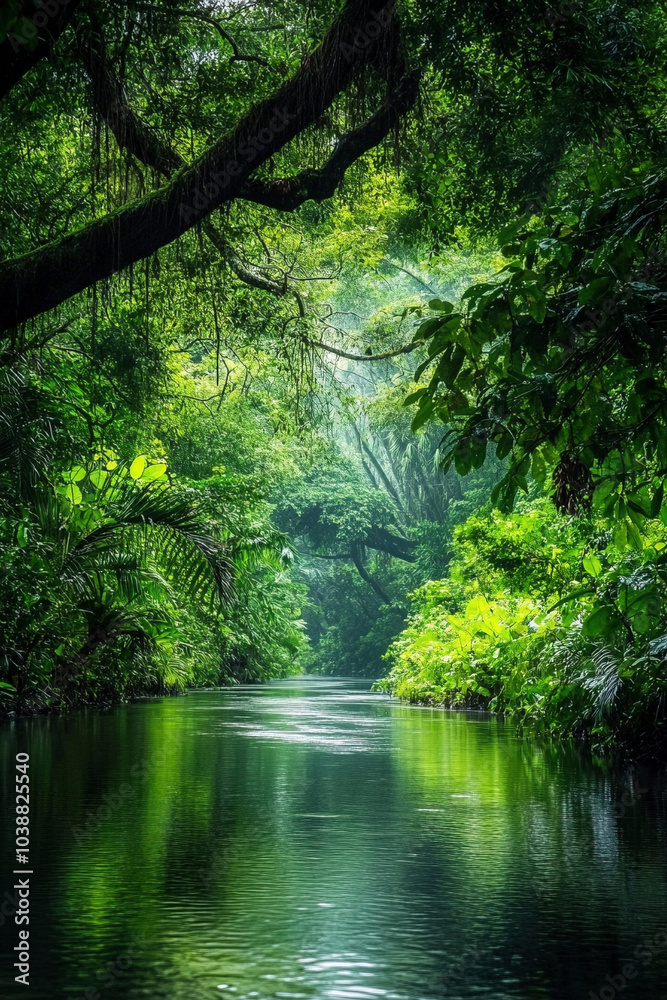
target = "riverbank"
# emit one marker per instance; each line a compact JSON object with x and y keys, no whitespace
{"x":626,"y":745}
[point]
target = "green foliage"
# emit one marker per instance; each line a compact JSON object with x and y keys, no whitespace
{"x":171,"y":436}
{"x":119,"y":578}
{"x":543,"y":619}
{"x":97,"y":571}
{"x":557,"y":362}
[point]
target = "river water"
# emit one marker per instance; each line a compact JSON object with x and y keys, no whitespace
{"x":310,"y":839}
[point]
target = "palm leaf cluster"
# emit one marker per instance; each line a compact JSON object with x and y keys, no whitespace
{"x":106,"y":568}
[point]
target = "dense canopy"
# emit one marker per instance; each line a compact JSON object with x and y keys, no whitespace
{"x":333,"y":338}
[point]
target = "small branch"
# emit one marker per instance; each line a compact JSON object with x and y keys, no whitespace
{"x":251,"y":276}
{"x":406,"y":349}
{"x":411,"y":275}
{"x":198,"y":15}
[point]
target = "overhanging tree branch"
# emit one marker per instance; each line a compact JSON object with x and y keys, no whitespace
{"x":406,"y":349}
{"x":365,"y":575}
{"x":287,"y":193}
{"x":41,"y":280}
{"x":132,"y":134}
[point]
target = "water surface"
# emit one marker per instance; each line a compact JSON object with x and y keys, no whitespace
{"x":309,"y":839}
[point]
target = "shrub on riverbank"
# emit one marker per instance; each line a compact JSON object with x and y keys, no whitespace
{"x":548,"y":621}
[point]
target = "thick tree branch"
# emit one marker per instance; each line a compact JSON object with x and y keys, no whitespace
{"x":365,"y":575}
{"x":287,"y":193}
{"x":384,"y":541}
{"x":355,"y":557}
{"x":132,"y":134}
{"x":43,"y":279}
{"x":45,"y":26}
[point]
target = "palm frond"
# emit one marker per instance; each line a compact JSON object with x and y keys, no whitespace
{"x":605,"y":683}
{"x":186,"y":549}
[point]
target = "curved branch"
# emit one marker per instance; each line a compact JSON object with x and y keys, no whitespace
{"x":250,"y":275}
{"x":199,"y":15}
{"x":238,"y":55}
{"x":288,"y":193}
{"x":365,"y":575}
{"x":415,"y":277}
{"x":132,"y":134}
{"x":394,"y":545}
{"x":406,"y":349}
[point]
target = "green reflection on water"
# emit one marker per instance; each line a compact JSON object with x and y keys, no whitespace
{"x":308,"y":839}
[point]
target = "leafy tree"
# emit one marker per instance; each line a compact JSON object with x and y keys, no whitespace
{"x":558,"y":361}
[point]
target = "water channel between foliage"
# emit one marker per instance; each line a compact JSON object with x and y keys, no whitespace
{"x":312,"y":839}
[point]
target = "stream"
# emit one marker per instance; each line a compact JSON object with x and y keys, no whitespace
{"x":311,"y":839}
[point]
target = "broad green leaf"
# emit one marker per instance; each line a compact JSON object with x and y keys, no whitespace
{"x":592,"y":565}
{"x":414,"y":396}
{"x":579,"y":592}
{"x":440,"y":305}
{"x":153,"y":472}
{"x":620,"y":536}
{"x":450,"y":365}
{"x":98,"y":478}
{"x":423,"y":413}
{"x":656,"y":502}
{"x":538,"y":467}
{"x":507,"y":234}
{"x":504,"y":446}
{"x":635,"y":540}
{"x":601,"y":622}
{"x":71,"y":492}
{"x":537,"y":307}
{"x":594,"y":291}
{"x":138,"y":466}
{"x":595,"y":177}
{"x":605,"y":489}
